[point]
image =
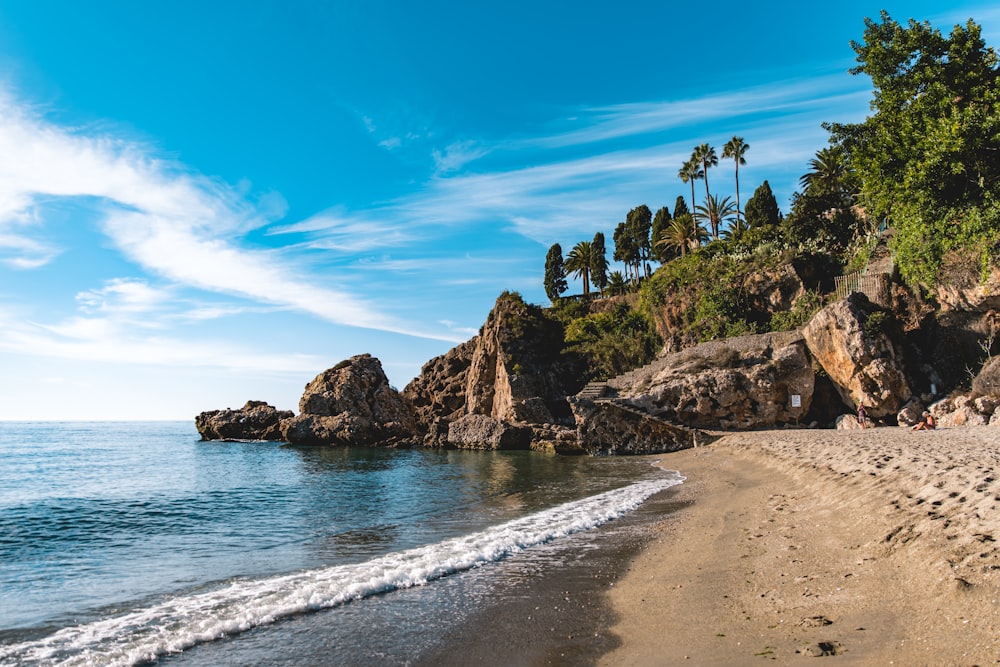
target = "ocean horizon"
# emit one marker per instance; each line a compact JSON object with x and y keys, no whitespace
{"x":126,"y":543}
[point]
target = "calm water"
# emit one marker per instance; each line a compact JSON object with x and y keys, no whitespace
{"x":125,"y":543}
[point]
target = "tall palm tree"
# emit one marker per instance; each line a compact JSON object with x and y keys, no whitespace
{"x":683,"y":233}
{"x":689,"y":173}
{"x":579,"y":261}
{"x":715,"y":211}
{"x":706,"y":157}
{"x":736,"y":148}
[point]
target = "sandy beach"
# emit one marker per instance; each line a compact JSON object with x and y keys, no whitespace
{"x":878,"y":547}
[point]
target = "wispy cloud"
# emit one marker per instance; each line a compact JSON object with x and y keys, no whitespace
{"x":170,"y":221}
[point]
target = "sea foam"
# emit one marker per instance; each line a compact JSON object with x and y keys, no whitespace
{"x":179,"y":623}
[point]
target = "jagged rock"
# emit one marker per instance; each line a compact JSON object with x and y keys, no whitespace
{"x":862,"y":361}
{"x":606,"y":427}
{"x":351,"y":404}
{"x":745,"y":382}
{"x":512,"y":371}
{"x":254,"y":421}
{"x":482,"y":432}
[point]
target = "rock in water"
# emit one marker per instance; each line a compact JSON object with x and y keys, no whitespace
{"x":254,"y":421}
{"x":351,"y":404}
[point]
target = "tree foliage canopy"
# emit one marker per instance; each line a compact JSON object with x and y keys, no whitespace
{"x":928,"y":156}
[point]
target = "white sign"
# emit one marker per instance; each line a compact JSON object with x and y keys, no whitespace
{"x":796,"y":401}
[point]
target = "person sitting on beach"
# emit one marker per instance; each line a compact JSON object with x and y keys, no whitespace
{"x":927,"y":423}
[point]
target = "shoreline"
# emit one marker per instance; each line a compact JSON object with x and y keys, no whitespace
{"x":878,"y":546}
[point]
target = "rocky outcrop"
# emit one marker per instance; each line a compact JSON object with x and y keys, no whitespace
{"x":351,"y":404}
{"x":850,"y":340}
{"x":512,"y":372}
{"x":756,"y":381}
{"x":254,"y":421}
{"x":607,"y":427}
{"x":482,"y":432}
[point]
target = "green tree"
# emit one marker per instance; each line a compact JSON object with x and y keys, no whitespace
{"x":555,"y":273}
{"x":828,"y":176}
{"x":715,"y":211}
{"x":579,"y":261}
{"x":598,"y":262}
{"x":684,"y":234}
{"x":681,"y":207}
{"x":639,"y":222}
{"x":705,"y":156}
{"x":617,"y":283}
{"x":736,"y":149}
{"x":690,"y":172}
{"x":661,"y":221}
{"x":927,"y":155}
{"x":762,"y":208}
{"x":626,"y":248}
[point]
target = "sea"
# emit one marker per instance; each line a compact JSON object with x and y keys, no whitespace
{"x":133,"y":543}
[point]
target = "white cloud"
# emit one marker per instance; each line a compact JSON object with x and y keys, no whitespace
{"x":174,"y":223}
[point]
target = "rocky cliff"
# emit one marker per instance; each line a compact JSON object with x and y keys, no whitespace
{"x":513,"y":372}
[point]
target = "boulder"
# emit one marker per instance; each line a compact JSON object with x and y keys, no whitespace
{"x":481,"y":432}
{"x":254,"y":421}
{"x":911,"y":414}
{"x":614,"y":427}
{"x":847,"y":423}
{"x":757,"y":381}
{"x":351,"y":404}
{"x":849,"y":340}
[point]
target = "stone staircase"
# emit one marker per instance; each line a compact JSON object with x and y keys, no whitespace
{"x":603,"y":393}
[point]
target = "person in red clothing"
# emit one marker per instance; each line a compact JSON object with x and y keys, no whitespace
{"x":927,"y":423}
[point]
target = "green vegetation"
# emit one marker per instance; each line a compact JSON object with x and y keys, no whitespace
{"x":612,"y":341}
{"x":927,"y":159}
{"x":925,"y":163}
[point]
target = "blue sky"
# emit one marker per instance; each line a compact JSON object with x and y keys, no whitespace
{"x":207,"y":202}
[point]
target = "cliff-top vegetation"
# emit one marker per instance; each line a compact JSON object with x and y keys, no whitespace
{"x":925,"y":164}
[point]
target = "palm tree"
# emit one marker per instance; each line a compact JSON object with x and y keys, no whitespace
{"x":683,"y":233}
{"x":706,"y":157}
{"x":736,"y":148}
{"x":617,"y":283}
{"x":579,"y":261}
{"x":736,"y":229}
{"x":715,"y":212}
{"x":689,"y":173}
{"x":828,"y":175}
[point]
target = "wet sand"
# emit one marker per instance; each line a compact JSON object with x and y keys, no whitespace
{"x":879,"y":547}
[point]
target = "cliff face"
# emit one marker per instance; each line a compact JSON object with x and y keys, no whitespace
{"x":513,"y":371}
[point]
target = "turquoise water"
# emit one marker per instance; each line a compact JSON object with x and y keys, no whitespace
{"x":122,"y":543}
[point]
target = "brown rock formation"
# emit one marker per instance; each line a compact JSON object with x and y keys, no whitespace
{"x":351,"y":404}
{"x":511,"y":372}
{"x":746,"y":382}
{"x":482,"y":432}
{"x":849,"y":340}
{"x":612,"y":427}
{"x":254,"y":421}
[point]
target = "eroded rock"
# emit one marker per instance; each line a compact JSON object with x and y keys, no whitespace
{"x":254,"y":421}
